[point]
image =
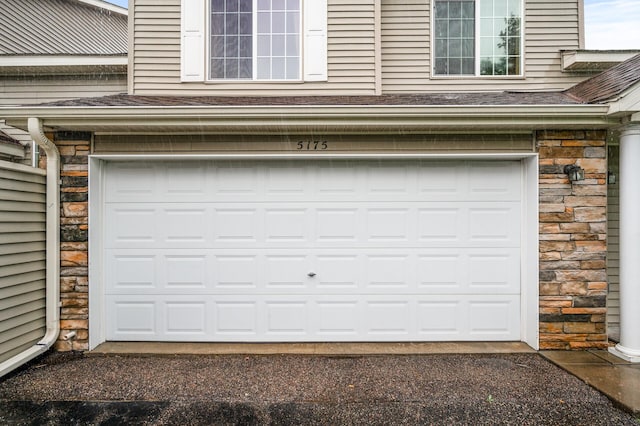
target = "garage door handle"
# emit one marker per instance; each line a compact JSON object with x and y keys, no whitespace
{"x":311,"y":274}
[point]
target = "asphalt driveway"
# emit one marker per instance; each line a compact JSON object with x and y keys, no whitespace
{"x":518,"y":389}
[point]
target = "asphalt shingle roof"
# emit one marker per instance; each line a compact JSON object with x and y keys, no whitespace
{"x":608,"y":84}
{"x":441,"y":99}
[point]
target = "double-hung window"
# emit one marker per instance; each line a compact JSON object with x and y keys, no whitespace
{"x":477,"y":37}
{"x":263,"y":40}
{"x":255,"y":39}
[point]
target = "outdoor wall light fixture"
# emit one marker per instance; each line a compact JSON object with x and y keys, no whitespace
{"x":574,"y":172}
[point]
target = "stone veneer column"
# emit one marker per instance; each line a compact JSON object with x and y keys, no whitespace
{"x":74,"y":281}
{"x":629,"y":174}
{"x":573,"y":232}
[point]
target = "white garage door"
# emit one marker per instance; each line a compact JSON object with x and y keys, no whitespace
{"x":312,"y":250}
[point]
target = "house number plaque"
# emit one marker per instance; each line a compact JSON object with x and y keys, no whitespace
{"x":309,"y":145}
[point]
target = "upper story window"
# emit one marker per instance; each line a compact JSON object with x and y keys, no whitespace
{"x":477,"y":37}
{"x":255,"y":39}
{"x":262,"y":40}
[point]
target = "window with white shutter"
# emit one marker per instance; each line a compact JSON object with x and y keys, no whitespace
{"x":263,"y":40}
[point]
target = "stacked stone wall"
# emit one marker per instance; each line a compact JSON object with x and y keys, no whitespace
{"x":74,"y":252}
{"x":573,"y":240}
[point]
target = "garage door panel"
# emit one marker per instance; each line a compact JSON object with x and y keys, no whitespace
{"x":233,"y":319}
{"x":205,"y":181}
{"x":131,"y":225}
{"x":290,"y":181}
{"x":184,"y":272}
{"x":235,"y":181}
{"x":132,"y":272}
{"x":183,"y":181}
{"x":184,"y":225}
{"x":236,"y":273}
{"x":185,"y":318}
{"x":288,"y":271}
{"x":288,"y":225}
{"x":302,"y":225}
{"x":339,"y":271}
{"x":235,"y":225}
{"x":498,"y":224}
{"x":313,"y":250}
{"x":494,"y":318}
{"x":497,"y":181}
{"x":132,"y":182}
{"x":338,"y":225}
{"x":298,"y":318}
{"x":132,"y":319}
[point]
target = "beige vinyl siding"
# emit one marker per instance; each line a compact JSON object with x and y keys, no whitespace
{"x":550,"y":26}
{"x":22,"y":258}
{"x":17,"y":134}
{"x":613,"y":248}
{"x":351,"y":54}
{"x":20,"y":90}
{"x":21,"y":136}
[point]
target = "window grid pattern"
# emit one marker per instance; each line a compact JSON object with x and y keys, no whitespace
{"x":231,"y":39}
{"x":455,"y":37}
{"x":500,"y":37}
{"x":278,"y":40}
{"x":255,"y":39}
{"x":477,"y":37}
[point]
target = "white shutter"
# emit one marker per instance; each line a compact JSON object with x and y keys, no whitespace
{"x":193,"y":36}
{"x":315,"y":40}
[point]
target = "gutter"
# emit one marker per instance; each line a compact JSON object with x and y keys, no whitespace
{"x":319,"y":119}
{"x":52,"y":251}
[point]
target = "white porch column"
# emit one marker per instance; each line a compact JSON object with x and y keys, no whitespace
{"x":629,"y":346}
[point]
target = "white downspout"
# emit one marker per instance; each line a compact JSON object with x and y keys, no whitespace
{"x":52,"y":251}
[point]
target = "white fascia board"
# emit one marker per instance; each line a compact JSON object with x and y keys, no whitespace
{"x":594,"y":60}
{"x":350,"y":119}
{"x":56,"y":61}
{"x":628,"y":102}
{"x":104,"y":5}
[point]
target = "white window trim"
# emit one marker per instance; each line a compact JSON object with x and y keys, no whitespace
{"x":194,"y":38}
{"x":254,"y":42}
{"x":476,"y":75}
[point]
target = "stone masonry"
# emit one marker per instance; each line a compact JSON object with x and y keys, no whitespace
{"x":74,"y":280}
{"x":573,"y":240}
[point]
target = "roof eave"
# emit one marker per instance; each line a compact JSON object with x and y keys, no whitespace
{"x":334,"y":119}
{"x":592,"y":61}
{"x":63,"y":65}
{"x":626,"y":103}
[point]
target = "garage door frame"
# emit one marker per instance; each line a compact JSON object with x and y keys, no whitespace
{"x":529,"y":249}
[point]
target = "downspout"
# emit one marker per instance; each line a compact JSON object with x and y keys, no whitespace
{"x":52,"y":302}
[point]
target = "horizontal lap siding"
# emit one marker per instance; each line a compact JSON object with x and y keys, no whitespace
{"x":22,"y":260}
{"x":405,"y":46}
{"x":351,"y":54}
{"x":33,"y":90}
{"x":550,"y":26}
